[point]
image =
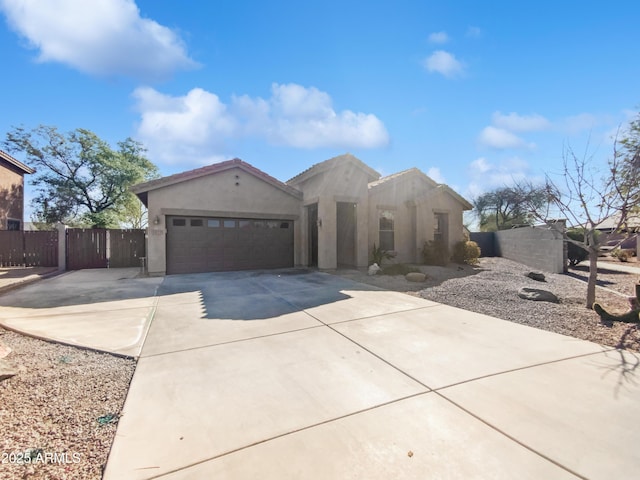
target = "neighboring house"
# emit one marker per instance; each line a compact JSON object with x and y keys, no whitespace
{"x":12,"y":192}
{"x":232,"y":216}
{"x":608,"y":225}
{"x":627,"y":237}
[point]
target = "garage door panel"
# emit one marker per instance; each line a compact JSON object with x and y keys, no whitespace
{"x":202,"y":244}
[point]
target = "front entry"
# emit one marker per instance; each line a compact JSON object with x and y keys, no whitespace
{"x":346,"y":234}
{"x":312,"y":222}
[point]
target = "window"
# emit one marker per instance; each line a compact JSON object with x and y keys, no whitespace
{"x":284,"y":224}
{"x":244,"y":224}
{"x":229,"y":224}
{"x":386,"y":230}
{"x":440,"y":227}
{"x":13,"y":224}
{"x":196,"y":222}
{"x":213,"y":223}
{"x":179,"y":222}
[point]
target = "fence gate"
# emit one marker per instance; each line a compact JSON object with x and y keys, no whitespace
{"x":125,"y":248}
{"x":86,"y":248}
{"x":30,"y":249}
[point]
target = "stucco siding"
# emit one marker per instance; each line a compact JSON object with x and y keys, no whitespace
{"x":231,"y":193}
{"x":11,"y":196}
{"x":345,"y":182}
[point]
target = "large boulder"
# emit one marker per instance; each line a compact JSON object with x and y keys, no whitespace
{"x":7,"y":370}
{"x":415,"y":277}
{"x":537,"y":276}
{"x":537,"y":295}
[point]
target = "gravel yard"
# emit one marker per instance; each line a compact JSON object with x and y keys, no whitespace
{"x":63,"y":406}
{"x":61,"y":410}
{"x":492,"y":288}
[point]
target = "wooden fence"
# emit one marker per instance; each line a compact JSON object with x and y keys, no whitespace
{"x":100,"y":248}
{"x":85,"y":248}
{"x":30,"y":249}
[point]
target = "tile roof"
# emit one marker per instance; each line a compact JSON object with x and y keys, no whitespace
{"x":328,"y":164}
{"x":142,"y":188}
{"x":16,"y":163}
{"x":443,"y":188}
{"x":610,"y":223}
{"x":394,"y":176}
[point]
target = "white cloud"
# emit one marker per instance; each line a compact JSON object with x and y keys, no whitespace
{"x":501,"y":139}
{"x":444,"y":63}
{"x":521,"y":123}
{"x":436,"y":175}
{"x":99,"y":37}
{"x":485,"y":176}
{"x":187,"y":128}
{"x":480,"y":165}
{"x":438,"y":37}
{"x":180,"y":128}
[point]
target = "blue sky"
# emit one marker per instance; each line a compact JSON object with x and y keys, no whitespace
{"x":476,"y":94}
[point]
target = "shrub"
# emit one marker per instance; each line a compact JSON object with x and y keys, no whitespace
{"x":466,"y":252}
{"x":435,"y":252}
{"x":378,"y":255}
{"x":399,"y":269}
{"x":622,"y":255}
{"x":575,"y":253}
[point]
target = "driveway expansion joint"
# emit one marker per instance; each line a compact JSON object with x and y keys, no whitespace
{"x":510,"y":437}
{"x":526,"y":367}
{"x":291,"y":432}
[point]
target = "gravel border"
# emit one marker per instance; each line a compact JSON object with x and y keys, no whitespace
{"x":493,"y":290}
{"x":59,"y":414}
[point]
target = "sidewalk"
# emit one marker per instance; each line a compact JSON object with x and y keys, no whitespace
{"x":13,"y":277}
{"x":618,"y":267}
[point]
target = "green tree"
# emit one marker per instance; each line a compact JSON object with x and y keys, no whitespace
{"x":504,"y":208}
{"x":80,"y":179}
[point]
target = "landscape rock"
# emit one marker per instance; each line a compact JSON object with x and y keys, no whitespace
{"x":7,"y":370}
{"x":4,"y":350}
{"x":415,"y":277}
{"x":537,"y":295}
{"x":537,"y":276}
{"x":373,"y":269}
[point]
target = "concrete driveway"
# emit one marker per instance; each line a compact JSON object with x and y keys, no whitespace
{"x":103,"y":309}
{"x":290,"y":374}
{"x":293,"y":374}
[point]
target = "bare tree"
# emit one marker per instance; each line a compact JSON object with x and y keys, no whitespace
{"x":587,"y":198}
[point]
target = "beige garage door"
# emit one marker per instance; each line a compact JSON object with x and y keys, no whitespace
{"x":205,"y":244}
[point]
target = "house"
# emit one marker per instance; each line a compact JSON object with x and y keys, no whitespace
{"x":627,"y":238}
{"x":12,"y":192}
{"x":232,"y":216}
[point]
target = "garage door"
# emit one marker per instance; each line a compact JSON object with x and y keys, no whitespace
{"x":205,"y":244}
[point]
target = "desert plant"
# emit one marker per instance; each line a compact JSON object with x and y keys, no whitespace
{"x":576,"y":253}
{"x":435,"y":252}
{"x":466,"y":252}
{"x":621,"y":254}
{"x":378,"y":255}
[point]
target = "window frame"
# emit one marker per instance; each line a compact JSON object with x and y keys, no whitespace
{"x":386,"y":236}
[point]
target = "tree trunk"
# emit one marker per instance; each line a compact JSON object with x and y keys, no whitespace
{"x":593,"y":276}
